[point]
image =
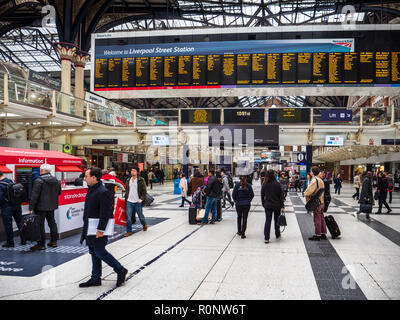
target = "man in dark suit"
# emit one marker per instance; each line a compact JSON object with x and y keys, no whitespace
{"x":98,"y":205}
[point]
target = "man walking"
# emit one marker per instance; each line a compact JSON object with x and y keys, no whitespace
{"x":213,"y":192}
{"x":44,"y":200}
{"x":8,"y":211}
{"x":366,"y":196}
{"x":135,"y":198}
{"x":98,"y":205}
{"x":226,"y":192}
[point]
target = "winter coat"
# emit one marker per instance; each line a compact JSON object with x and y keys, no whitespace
{"x":183,"y":185}
{"x":45,"y":192}
{"x":272,"y":196}
{"x":366,"y":195}
{"x":241,"y":196}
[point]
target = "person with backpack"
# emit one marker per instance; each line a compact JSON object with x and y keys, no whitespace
{"x":242,"y":195}
{"x":10,"y":208}
{"x":272,"y":199}
{"x":315,"y":188}
{"x":226,"y":189}
{"x":43,"y":202}
{"x":195,"y":183}
{"x":213,"y":192}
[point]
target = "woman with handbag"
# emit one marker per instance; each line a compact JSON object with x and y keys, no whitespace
{"x":315,"y":193}
{"x":272,"y":198}
{"x":242,"y":195}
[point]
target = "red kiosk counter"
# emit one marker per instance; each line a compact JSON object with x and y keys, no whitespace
{"x":23,"y":166}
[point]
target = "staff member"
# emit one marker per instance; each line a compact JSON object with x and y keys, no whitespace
{"x":44,"y":200}
{"x":98,"y":205}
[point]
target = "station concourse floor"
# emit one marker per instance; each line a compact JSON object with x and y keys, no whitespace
{"x":175,"y":260}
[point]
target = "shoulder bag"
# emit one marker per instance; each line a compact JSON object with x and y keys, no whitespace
{"x":315,"y":201}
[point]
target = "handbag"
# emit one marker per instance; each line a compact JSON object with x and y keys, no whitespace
{"x":200,"y":214}
{"x":315,"y":201}
{"x":366,"y":207}
{"x":282,"y":221}
{"x":120,"y":212}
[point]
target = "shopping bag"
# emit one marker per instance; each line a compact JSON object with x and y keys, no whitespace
{"x":200,"y":214}
{"x":120,"y":212}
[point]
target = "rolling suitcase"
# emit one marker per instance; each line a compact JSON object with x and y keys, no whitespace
{"x":192,"y":215}
{"x":219,"y":210}
{"x":332,"y":227}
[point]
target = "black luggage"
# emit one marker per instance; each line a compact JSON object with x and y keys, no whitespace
{"x":219,"y":210}
{"x":332,"y":227}
{"x":192,"y":215}
{"x":30,"y":228}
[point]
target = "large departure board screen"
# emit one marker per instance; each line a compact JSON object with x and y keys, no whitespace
{"x":100,"y":74}
{"x":288,"y":115}
{"x":235,"y":64}
{"x":228,"y":69}
{"x":156,"y":75}
{"x":366,"y":67}
{"x":128,"y":72}
{"x":289,"y":63}
{"x":142,"y":72}
{"x":184,"y":70}
{"x":274,"y":68}
{"x":244,"y":115}
{"x":258,"y":68}
{"x":304,"y":67}
{"x":199,"y":77}
{"x":243,"y":62}
{"x":213,"y":69}
{"x":320,"y":67}
{"x":335,"y":67}
{"x":200,"y":116}
{"x":382,"y":67}
{"x":350,"y":67}
{"x":170,"y":70}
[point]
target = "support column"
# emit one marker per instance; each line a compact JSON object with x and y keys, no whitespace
{"x":80,"y":59}
{"x":66,"y":51}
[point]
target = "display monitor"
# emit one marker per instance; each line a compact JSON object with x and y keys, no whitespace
{"x":161,"y":140}
{"x":334,"y":140}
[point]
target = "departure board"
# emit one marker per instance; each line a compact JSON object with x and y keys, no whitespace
{"x":100,"y":74}
{"x":184,"y":70}
{"x":366,"y":67}
{"x":274,"y":68}
{"x":243,"y":63}
{"x":200,"y":116}
{"x":350,"y":67}
{"x":304,"y":67}
{"x":170,"y":70}
{"x":199,"y":76}
{"x":128,"y":72}
{"x":288,"y":115}
{"x":114,"y":72}
{"x":213,"y":69}
{"x":228,"y":69}
{"x":289,"y":62}
{"x":395,"y":67}
{"x":236,"y":115}
{"x":335,"y":67}
{"x":155,"y":73}
{"x":382,"y":67}
{"x":258,"y":68}
{"x":320,"y":67}
{"x":142,"y":71}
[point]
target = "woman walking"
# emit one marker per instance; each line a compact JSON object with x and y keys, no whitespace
{"x":273,"y":201}
{"x":357,"y":186}
{"x":183,"y":185}
{"x":338,"y":183}
{"x":242,"y":195}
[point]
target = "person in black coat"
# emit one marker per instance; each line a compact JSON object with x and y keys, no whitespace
{"x":43,"y":202}
{"x":242,"y":195}
{"x":272,"y":198}
{"x":98,"y":205}
{"x":382,"y":192}
{"x":366,"y":196}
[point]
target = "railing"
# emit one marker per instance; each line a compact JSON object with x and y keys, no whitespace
{"x":23,"y":91}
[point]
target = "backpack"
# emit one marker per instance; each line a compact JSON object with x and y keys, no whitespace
{"x":16,"y":193}
{"x":197,"y":196}
{"x":30,"y":227}
{"x":230,"y":181}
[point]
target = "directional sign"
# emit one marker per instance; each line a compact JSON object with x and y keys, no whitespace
{"x":301,"y":157}
{"x":341,"y":115}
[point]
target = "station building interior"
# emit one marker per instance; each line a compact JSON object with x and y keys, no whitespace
{"x":122,"y":84}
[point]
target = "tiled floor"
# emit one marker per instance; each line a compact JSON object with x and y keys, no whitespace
{"x":175,"y":260}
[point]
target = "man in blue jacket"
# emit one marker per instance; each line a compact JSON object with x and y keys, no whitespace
{"x":8,"y":211}
{"x":98,"y":205}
